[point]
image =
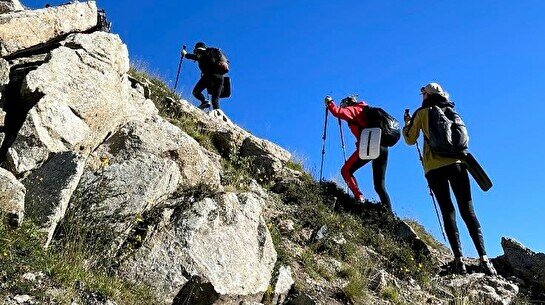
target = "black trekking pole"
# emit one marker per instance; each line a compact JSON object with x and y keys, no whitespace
{"x":432,"y":196}
{"x":342,"y":140}
{"x":179,"y":69}
{"x":323,"y":145}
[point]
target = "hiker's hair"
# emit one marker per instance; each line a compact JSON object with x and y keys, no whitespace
{"x":435,"y":99}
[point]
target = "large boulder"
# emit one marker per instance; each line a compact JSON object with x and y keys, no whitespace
{"x":7,"y":6}
{"x":217,"y":245}
{"x":134,"y":170}
{"x":83,"y":96}
{"x":268,"y":159}
{"x":27,"y":29}
{"x":50,"y":188}
{"x":523,"y":263}
{"x":12,"y":198}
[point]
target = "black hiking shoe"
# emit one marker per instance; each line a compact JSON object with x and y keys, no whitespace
{"x":454,"y":267}
{"x":204,"y":105}
{"x":488,"y":268}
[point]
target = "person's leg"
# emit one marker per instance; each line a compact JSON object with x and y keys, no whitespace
{"x":199,"y":88}
{"x":215,"y":90}
{"x":347,"y":171}
{"x":438,"y":181}
{"x":462,"y":190}
{"x":379,"y":177}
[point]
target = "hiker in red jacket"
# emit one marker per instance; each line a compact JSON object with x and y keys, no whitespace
{"x":353,"y":113}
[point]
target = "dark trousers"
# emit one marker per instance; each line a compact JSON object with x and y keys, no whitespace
{"x":379,"y":174}
{"x":457,"y":176}
{"x":214,"y":84}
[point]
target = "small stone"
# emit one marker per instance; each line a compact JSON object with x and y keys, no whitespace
{"x":29,"y":276}
{"x":283,"y":285}
{"x":24,"y":299}
{"x":340,"y":240}
{"x":286,"y":226}
{"x":321,"y":232}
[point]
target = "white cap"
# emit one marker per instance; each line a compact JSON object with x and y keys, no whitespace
{"x":434,"y":88}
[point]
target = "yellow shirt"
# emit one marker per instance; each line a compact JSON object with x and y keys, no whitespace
{"x":411,"y":133}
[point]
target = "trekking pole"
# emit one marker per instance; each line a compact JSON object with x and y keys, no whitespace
{"x":342,"y":140}
{"x":179,"y":69}
{"x":432,"y":196}
{"x":323,"y":145}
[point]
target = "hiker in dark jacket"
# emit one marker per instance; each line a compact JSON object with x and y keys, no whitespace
{"x":352,"y":112}
{"x":210,"y":79}
{"x":442,"y":171}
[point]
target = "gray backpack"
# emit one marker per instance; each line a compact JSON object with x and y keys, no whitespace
{"x":447,"y":132}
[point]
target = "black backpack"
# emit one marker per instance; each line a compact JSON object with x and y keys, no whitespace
{"x":217,"y":60}
{"x":377,"y":117}
{"x":447,"y":132}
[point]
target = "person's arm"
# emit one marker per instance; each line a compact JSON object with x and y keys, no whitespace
{"x":411,"y":131}
{"x":191,"y":56}
{"x":344,"y":113}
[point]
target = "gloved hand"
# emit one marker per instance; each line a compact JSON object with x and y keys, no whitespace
{"x":184,"y":52}
{"x":328,"y":100}
{"x":407,"y":117}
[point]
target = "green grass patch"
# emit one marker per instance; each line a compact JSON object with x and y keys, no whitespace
{"x":391,"y":294}
{"x":21,"y":252}
{"x":325,"y":204}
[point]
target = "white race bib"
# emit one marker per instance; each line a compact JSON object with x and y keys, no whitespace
{"x":370,"y":143}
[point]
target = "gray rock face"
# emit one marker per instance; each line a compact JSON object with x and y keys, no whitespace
{"x":481,"y":289}
{"x":12,"y":198}
{"x":4,"y":80}
{"x":84,"y":97}
{"x":50,"y":188}
{"x":525,"y":263}
{"x":30,"y":28}
{"x":4,"y":72}
{"x":223,"y":241}
{"x":268,"y":158}
{"x":7,"y":6}
{"x":128,"y":175}
{"x":283,"y":285}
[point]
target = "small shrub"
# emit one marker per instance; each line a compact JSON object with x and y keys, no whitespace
{"x":390,"y":293}
{"x":296,"y":166}
{"x":237,"y":173}
{"x":356,"y":289}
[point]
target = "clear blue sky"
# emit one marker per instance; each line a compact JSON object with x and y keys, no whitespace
{"x":286,"y":55}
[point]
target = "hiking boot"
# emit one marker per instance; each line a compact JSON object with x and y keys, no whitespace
{"x":459,"y":268}
{"x":488,"y":268}
{"x":204,"y":105}
{"x":454,"y":267}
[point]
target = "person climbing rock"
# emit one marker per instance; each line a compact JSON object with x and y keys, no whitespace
{"x":353,"y":112}
{"x":213,"y":65}
{"x":444,"y":173}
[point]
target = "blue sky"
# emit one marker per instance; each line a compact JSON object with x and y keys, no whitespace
{"x":287,"y":55}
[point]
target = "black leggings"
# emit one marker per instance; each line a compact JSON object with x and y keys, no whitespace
{"x":438,"y":180}
{"x":214,"y":84}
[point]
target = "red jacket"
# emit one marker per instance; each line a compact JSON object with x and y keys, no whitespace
{"x":354,"y":115}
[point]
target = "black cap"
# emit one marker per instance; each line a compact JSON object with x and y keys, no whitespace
{"x":200,"y":45}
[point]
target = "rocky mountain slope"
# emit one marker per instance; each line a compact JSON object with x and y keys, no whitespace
{"x":116,"y":191}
